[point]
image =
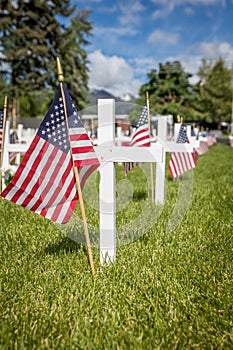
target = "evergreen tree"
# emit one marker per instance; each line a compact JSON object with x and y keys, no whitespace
{"x":75,"y":57}
{"x":32,"y":36}
{"x":215,"y":92}
{"x":170,"y":91}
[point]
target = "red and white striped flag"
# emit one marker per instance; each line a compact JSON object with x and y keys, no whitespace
{"x":141,"y":137}
{"x":231,"y":140}
{"x":180,"y":162}
{"x":45,"y":181}
{"x":13,"y":140}
{"x":211,"y":140}
{"x":202,"y":149}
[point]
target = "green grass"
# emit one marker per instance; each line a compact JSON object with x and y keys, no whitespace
{"x":169,"y":289}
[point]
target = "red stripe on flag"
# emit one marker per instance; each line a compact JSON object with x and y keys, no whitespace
{"x":82,"y":149}
{"x":39,"y":181}
{"x":87,"y":173}
{"x":70,"y":210}
{"x":85,"y":162}
{"x":79,"y":137}
{"x":19,"y":171}
{"x":29,"y":176}
{"x":139,"y":131}
{"x":185,"y":161}
{"x":141,"y":139}
{"x":52,"y":179}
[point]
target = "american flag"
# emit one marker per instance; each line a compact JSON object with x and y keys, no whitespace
{"x":203,"y":148}
{"x":141,"y":137}
{"x":170,"y":138}
{"x":1,"y":126}
{"x":231,"y":140}
{"x":44,"y":182}
{"x":211,"y":140}
{"x":14,"y":140}
{"x":181,"y":162}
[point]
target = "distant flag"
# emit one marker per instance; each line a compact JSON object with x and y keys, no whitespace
{"x":45,"y":182}
{"x":211,"y":140}
{"x":202,"y":149}
{"x":13,"y":140}
{"x":140,"y":138}
{"x":1,"y":126}
{"x":170,"y":138}
{"x":181,"y":162}
{"x":231,"y":140}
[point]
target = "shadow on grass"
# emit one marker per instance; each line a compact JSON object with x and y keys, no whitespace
{"x":139,"y":195}
{"x":64,"y":245}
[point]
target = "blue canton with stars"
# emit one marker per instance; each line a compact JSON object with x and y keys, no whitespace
{"x":182,"y":137}
{"x":143,"y":118}
{"x":13,"y":137}
{"x":53,"y":128}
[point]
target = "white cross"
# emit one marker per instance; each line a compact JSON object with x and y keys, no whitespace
{"x":108,"y":153}
{"x":10,"y":147}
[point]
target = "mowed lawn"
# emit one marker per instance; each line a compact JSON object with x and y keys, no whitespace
{"x":168,"y":289}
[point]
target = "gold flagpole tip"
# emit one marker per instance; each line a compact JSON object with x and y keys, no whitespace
{"x":5,"y":102}
{"x":59,"y":71}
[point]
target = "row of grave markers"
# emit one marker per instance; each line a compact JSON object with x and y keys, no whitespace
{"x":110,"y":151}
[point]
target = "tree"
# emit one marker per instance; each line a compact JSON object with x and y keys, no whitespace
{"x":75,"y":57}
{"x":215,"y":92}
{"x":32,"y":36}
{"x":170,"y":91}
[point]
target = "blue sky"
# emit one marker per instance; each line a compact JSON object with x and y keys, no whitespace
{"x":130,"y":37}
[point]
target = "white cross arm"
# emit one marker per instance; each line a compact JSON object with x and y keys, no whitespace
{"x":203,"y":138}
{"x":130,"y":154}
{"x":195,"y":143}
{"x":171,"y":146}
{"x":17,"y":147}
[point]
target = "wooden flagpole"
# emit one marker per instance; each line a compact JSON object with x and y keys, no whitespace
{"x":3,"y":138}
{"x":76,"y":174}
{"x":151,"y":164}
{"x":14,"y":114}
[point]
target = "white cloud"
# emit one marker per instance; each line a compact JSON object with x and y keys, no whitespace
{"x":158,"y":35}
{"x":131,"y":13}
{"x":190,"y":2}
{"x":94,"y":1}
{"x":120,"y":76}
{"x":215,"y":50}
{"x":108,"y":9}
{"x":112,"y":73}
{"x":189,"y":11}
{"x":116,"y":31}
{"x":210,"y":51}
{"x":167,"y":6}
{"x":142,"y":66}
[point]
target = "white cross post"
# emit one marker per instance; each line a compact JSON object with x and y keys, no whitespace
{"x":193,"y":139}
{"x":107,"y":194}
{"x":9,"y":147}
{"x":108,"y":154}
